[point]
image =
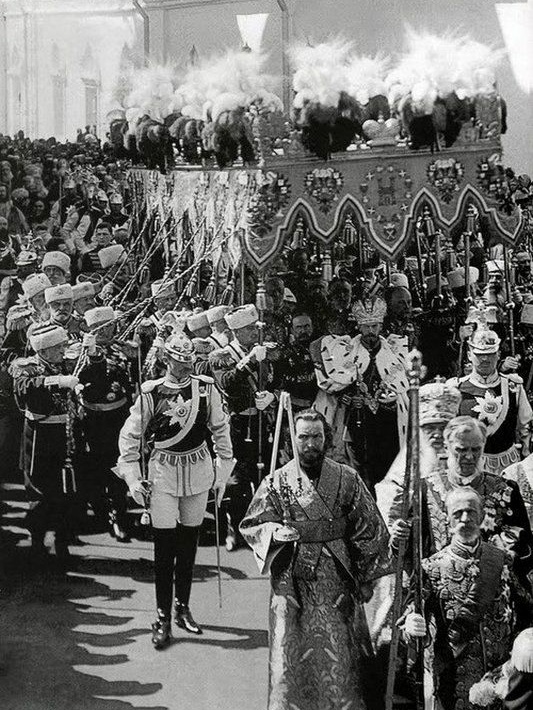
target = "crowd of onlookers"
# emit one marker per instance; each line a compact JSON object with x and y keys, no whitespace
{"x":52,"y":195}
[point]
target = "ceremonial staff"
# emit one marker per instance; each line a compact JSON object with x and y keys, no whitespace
{"x":509,"y":298}
{"x":411,"y":505}
{"x":261,"y":307}
{"x":423,"y":285}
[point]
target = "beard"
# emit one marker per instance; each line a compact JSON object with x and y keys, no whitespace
{"x":311,"y":458}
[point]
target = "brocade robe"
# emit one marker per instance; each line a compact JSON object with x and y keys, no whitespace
{"x":320,"y":651}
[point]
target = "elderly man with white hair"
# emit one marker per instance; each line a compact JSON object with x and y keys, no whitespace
{"x":505,"y":521}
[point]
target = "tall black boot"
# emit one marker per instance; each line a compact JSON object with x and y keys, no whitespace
{"x":187,"y":542}
{"x":164,"y":557}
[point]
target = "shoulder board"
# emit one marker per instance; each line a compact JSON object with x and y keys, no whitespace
{"x":204,"y":378}
{"x":150,"y":385}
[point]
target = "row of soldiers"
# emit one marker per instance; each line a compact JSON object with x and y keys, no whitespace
{"x":213,"y":379}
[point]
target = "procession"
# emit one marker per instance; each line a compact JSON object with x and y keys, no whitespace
{"x":286,"y":327}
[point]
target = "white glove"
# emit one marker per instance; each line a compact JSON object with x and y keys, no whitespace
{"x":415,"y":625}
{"x":510,"y":364}
{"x":219,"y":487}
{"x":63,"y":381}
{"x":263,"y":400}
{"x":137,"y":491}
{"x":259,"y":352}
{"x":89,"y":342}
{"x":223,"y":470}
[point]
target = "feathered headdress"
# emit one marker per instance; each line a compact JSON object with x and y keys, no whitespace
{"x":152,"y":94}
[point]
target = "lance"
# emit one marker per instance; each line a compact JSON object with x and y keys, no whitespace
{"x":217,"y":542}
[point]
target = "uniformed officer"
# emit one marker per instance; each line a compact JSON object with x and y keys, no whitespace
{"x":107,"y":396}
{"x":43,"y":392}
{"x":56,"y":265}
{"x":177,"y":414}
{"x":236,"y":369}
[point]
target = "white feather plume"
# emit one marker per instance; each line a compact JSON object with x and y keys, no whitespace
{"x":365,"y":77}
{"x":320,"y":71}
{"x":223,"y":82}
{"x":152,"y":92}
{"x":437,"y":65}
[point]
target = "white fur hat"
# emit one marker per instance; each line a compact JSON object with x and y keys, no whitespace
{"x":110,"y":255}
{"x":58,"y":259}
{"x":99,"y":315}
{"x":242,"y":316}
{"x":216,"y":313}
{"x":197,"y":321}
{"x":63,"y":292}
{"x":83,"y":290}
{"x":397,"y":280}
{"x":34,"y":284}
{"x":456,"y":278}
{"x":47,"y":336}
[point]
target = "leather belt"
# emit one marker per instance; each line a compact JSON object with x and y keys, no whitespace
{"x":320,"y":530}
{"x":104,"y":406}
{"x":44,"y":419}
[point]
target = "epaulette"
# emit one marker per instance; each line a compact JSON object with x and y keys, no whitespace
{"x":221,"y":359}
{"x":150,"y":385}
{"x":24,"y":365}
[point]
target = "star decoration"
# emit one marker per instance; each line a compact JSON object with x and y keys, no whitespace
{"x":369,"y":175}
{"x":489,"y":407}
{"x":179,"y":411}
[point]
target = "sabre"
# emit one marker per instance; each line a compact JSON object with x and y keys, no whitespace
{"x":217,"y":542}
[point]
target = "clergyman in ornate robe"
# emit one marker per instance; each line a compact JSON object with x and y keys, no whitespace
{"x":320,"y":652}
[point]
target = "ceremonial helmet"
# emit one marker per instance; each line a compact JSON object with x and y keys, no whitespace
{"x":180,"y":348}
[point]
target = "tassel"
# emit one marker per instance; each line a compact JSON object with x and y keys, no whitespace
{"x":260,"y":298}
{"x":145,"y":518}
{"x":228,"y":294}
{"x":210,"y":292}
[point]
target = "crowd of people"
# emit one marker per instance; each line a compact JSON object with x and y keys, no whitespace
{"x":182,"y":396}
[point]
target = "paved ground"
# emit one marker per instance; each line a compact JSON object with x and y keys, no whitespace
{"x":80,"y":641}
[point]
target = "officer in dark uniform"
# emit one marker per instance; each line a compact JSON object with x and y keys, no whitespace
{"x":236,"y":370}
{"x":44,"y":392}
{"x":107,"y":396}
{"x":295,"y":369}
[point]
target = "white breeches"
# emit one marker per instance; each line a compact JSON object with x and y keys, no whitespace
{"x":167,"y":509}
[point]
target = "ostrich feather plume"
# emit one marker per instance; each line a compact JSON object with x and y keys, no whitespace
{"x":152,"y":92}
{"x":224,"y":82}
{"x":365,"y":77}
{"x":320,"y":71}
{"x":435,"y":66}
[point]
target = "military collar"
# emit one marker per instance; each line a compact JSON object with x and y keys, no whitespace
{"x":490,"y":381}
{"x":176,"y":385}
{"x":463,"y":550}
{"x":459,"y":481}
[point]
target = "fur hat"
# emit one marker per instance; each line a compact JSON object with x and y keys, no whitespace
{"x":197,"y":321}
{"x":99,"y":315}
{"x":34,"y":284}
{"x":216,"y":314}
{"x":83,"y":290}
{"x":110,"y":255}
{"x":242,"y":316}
{"x":58,"y":259}
{"x":63,"y":292}
{"x":46,"y":336}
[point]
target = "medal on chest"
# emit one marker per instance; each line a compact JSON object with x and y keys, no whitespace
{"x":178,"y":411}
{"x":489,"y":407}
